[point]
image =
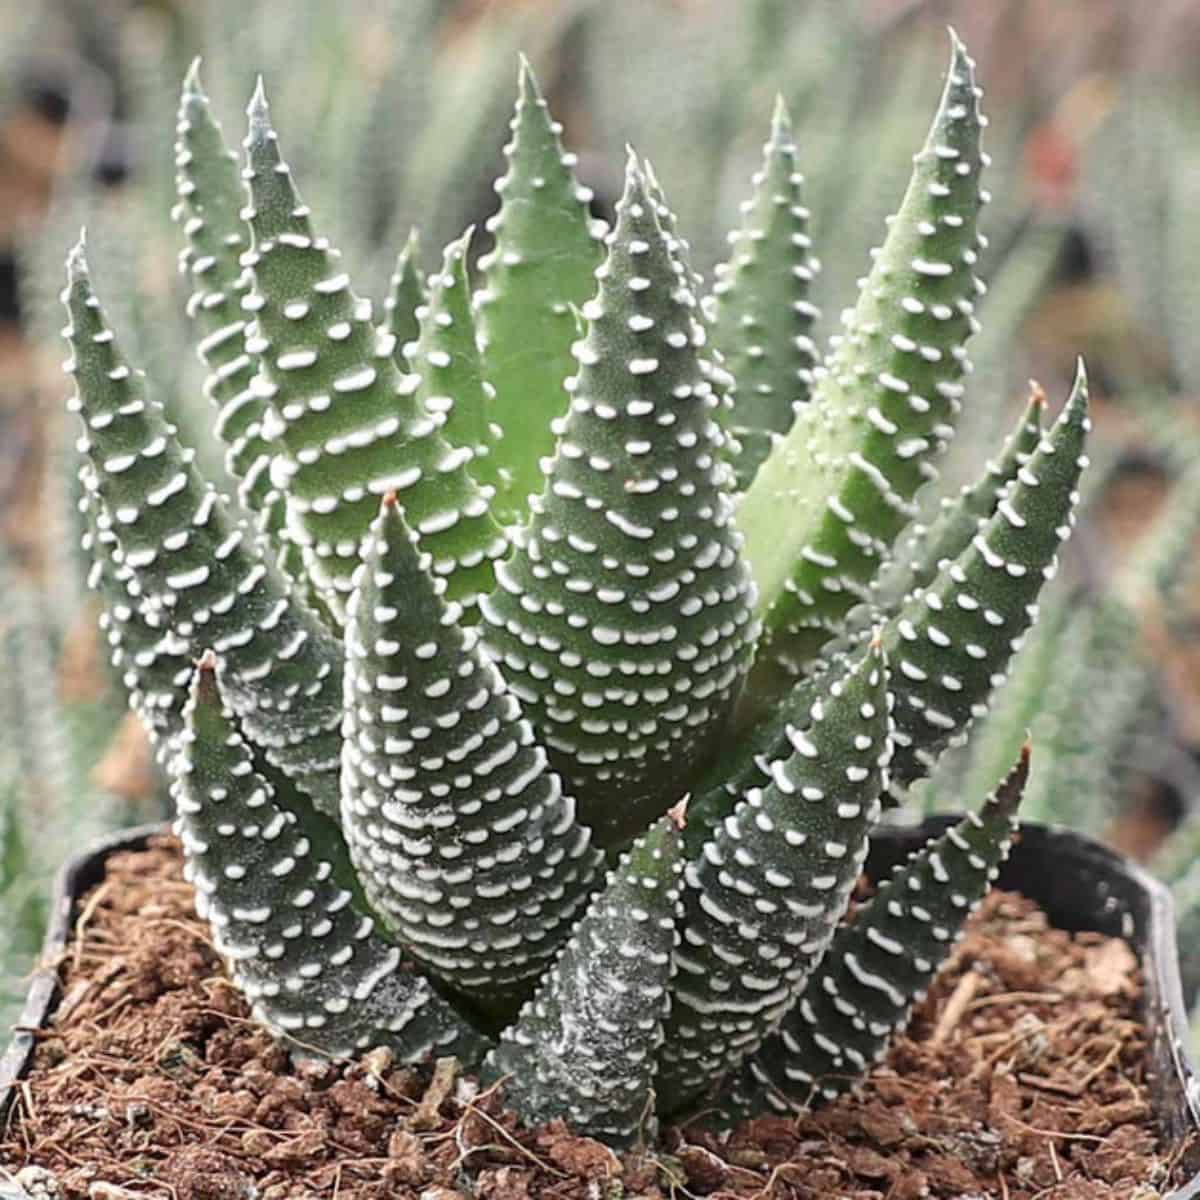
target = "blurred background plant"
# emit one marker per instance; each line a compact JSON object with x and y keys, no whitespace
{"x":397,"y":111}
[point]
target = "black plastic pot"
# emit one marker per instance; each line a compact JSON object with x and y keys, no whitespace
{"x":75,"y":878}
{"x":1080,"y":884}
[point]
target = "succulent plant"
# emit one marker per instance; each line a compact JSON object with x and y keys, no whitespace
{"x":1090,"y":685}
{"x":535,"y":698}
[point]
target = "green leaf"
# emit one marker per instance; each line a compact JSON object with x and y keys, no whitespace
{"x":546,"y":252}
{"x":266,"y":877}
{"x":350,"y":425}
{"x":435,"y":743}
{"x":951,"y":642}
{"x":154,"y":666}
{"x":921,"y":553}
{"x":1082,"y":682}
{"x":583,"y":1048}
{"x":763,"y":898}
{"x":446,"y":356}
{"x":1084,"y":685}
{"x":880,"y":965}
{"x":406,"y":293}
{"x":958,"y":520}
{"x":743,"y":762}
{"x":1014,"y":709}
{"x":713,"y":365}
{"x":199,"y":573}
{"x":623,"y":620}
{"x":882,"y":406}
{"x":211,"y":196}
{"x":763,"y":316}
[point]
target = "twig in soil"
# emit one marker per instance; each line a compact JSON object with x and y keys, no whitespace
{"x":956,"y":1007}
{"x":27,"y":1097}
{"x":776,"y":1173}
{"x":508,"y":1137}
{"x":232,"y":1019}
{"x":427,"y":1117}
{"x":671,"y":1174}
{"x":119,"y":1003}
{"x":1103,"y":1065}
{"x":1015,"y":998}
{"x":1185,"y":1147}
{"x":1054,"y":1133}
{"x":86,"y":913}
{"x":190,"y":930}
{"x":1044,"y":1084}
{"x":71,"y":1001}
{"x":1058,"y":1175}
{"x":1012,"y":1040}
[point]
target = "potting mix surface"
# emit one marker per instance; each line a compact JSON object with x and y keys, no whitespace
{"x":1020,"y":1077}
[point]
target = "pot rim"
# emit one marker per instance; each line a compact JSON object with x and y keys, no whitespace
{"x":71,"y":879}
{"x":1165,"y":990}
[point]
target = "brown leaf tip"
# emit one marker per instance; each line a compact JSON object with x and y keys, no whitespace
{"x":678,"y":814}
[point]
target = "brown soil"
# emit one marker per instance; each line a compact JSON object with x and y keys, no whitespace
{"x":1020,"y":1078}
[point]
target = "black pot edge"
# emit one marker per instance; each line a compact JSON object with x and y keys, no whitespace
{"x":1153,"y":935}
{"x":1082,"y":884}
{"x":74,"y":877}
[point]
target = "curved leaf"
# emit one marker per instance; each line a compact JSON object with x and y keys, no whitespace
{"x":463,"y":837}
{"x":762,"y":316}
{"x":350,"y":426}
{"x":200,"y":574}
{"x":763,"y":898}
{"x":882,"y":406}
{"x":309,"y":962}
{"x":879,"y":966}
{"x":583,"y":1048}
{"x":546,"y":252}
{"x":623,"y":620}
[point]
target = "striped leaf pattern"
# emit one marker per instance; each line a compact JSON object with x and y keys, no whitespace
{"x":580,"y":571}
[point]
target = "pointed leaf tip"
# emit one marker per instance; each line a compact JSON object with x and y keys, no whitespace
{"x":1007,"y":797}
{"x":1077,"y":410}
{"x":635,"y":176}
{"x":678,"y":813}
{"x":258,"y":109}
{"x":207,"y":662}
{"x":1037,"y":394}
{"x":77,"y":266}
{"x":781,"y":120}
{"x":458,"y":248}
{"x":191,"y":81}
